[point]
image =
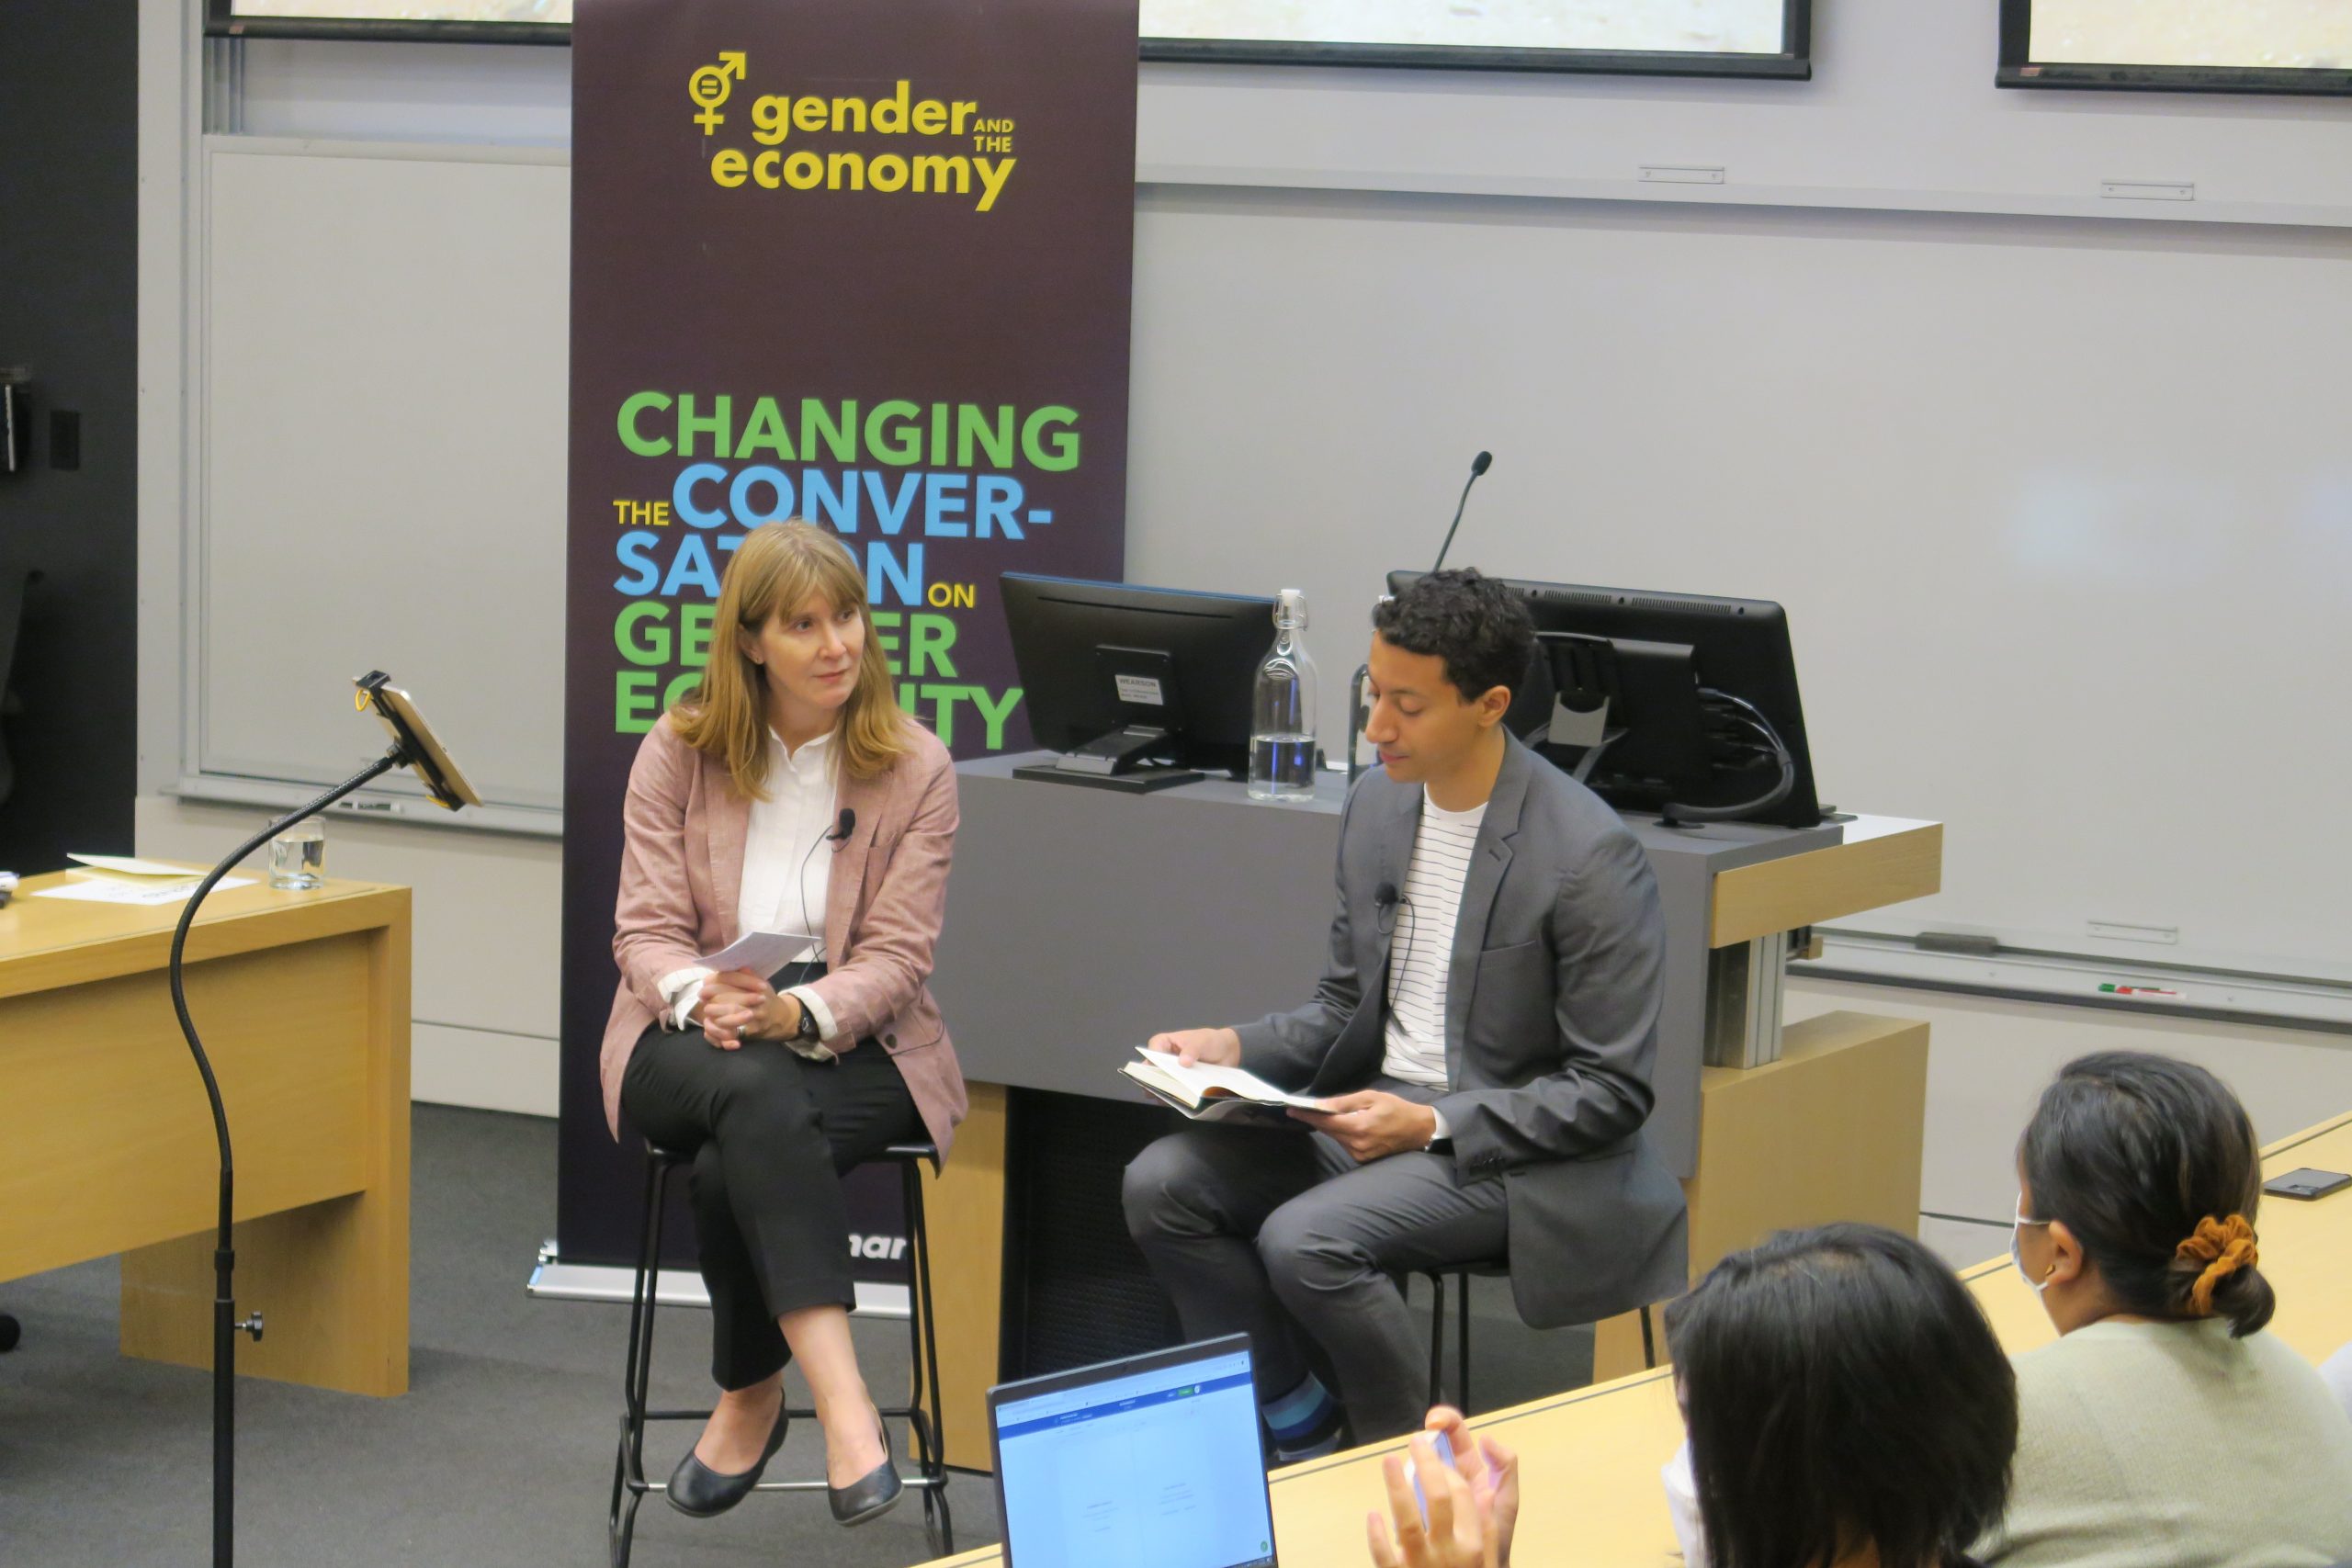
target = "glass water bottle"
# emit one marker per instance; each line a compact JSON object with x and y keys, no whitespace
{"x":1281,"y":729}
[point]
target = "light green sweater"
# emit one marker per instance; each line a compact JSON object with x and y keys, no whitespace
{"x":2171,"y":1444}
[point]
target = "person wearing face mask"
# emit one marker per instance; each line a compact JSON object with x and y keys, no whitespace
{"x":791,"y":794}
{"x":1848,"y":1407}
{"x":2164,"y":1425}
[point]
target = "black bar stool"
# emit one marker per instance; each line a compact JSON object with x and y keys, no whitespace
{"x":920,"y":1412}
{"x":1437,"y":1278}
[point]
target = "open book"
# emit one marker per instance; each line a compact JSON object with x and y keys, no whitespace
{"x":1210,"y":1094}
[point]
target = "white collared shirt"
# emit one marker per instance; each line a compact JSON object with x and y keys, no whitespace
{"x":787,"y":870}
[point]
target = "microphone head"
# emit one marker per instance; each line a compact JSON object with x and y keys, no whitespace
{"x":1481,"y":463}
{"x":1384,"y":894}
{"x":849,"y":822}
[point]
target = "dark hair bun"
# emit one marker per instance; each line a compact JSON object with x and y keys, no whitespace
{"x":2240,"y":1294}
{"x":2153,"y":1164}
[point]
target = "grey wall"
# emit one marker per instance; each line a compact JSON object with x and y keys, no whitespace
{"x":68,"y":312}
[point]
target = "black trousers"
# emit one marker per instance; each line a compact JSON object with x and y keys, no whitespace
{"x":772,"y":1134}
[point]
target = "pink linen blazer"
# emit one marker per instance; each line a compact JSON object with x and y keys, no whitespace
{"x":681,"y":867}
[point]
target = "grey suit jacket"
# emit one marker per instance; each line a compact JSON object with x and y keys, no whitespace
{"x":1551,"y":1028}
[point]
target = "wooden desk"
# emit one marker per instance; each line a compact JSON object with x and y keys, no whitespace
{"x":1589,"y":1461}
{"x":303,"y":999}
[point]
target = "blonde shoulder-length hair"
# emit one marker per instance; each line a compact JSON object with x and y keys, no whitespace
{"x":774,"y":570}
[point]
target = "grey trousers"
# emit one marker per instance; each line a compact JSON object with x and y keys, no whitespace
{"x":1277,"y":1233}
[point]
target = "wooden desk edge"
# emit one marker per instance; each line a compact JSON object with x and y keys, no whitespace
{"x":2296,"y":1140}
{"x":337,"y":909}
{"x":1900,"y":858}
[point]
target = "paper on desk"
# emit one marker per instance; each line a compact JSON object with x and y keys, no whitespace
{"x":762,"y":953}
{"x":128,"y":866}
{"x":99,"y":890}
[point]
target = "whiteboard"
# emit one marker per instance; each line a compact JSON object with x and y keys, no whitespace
{"x":1705,"y":27}
{"x":2061,"y":510}
{"x":383,"y":434}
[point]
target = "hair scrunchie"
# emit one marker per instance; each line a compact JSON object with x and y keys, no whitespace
{"x":2224,"y":1246}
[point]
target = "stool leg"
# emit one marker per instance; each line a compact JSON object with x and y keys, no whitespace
{"x":918,"y":1309}
{"x":1649,"y":1342}
{"x":1462,"y":1334}
{"x":628,"y":1462}
{"x":1437,"y":1333}
{"x":930,"y":1421}
{"x":650,"y":1274}
{"x":625,"y":1533}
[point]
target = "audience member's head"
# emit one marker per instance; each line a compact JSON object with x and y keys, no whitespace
{"x":1844,"y":1392}
{"x":2140,"y":1176}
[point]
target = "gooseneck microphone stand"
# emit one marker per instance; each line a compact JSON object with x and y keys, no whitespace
{"x":225,"y":1326}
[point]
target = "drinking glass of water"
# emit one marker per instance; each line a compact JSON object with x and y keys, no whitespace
{"x":298,"y":857}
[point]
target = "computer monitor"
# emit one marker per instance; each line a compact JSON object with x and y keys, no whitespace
{"x":1151,"y":1461}
{"x":1137,"y":688}
{"x":1679,"y":703}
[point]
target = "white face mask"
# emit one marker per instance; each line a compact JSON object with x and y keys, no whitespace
{"x":1683,"y":1505}
{"x":2016,"y":1257}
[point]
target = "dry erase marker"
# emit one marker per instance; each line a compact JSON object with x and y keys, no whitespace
{"x":2114,"y":990}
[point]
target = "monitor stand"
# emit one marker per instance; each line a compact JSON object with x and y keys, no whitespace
{"x":1119,"y":760}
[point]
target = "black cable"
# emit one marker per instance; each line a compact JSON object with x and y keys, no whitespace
{"x":800,"y":889}
{"x":1672,"y":815}
{"x":836,"y":835}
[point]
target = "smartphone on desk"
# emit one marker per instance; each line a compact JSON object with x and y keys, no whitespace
{"x":2307,"y":1183}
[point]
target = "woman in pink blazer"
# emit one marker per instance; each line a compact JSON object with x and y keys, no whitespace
{"x":790,"y":793}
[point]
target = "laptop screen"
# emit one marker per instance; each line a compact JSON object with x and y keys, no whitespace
{"x":1152,"y":1462}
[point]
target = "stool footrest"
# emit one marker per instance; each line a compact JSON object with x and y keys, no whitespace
{"x":792,"y":1413}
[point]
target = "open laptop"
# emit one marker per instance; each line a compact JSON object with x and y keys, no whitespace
{"x":1150,"y":1461}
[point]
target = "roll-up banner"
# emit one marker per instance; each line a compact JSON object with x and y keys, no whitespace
{"x":863,"y":263}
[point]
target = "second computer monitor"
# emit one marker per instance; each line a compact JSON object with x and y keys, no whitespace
{"x":1100,"y":658}
{"x":1739,"y":648}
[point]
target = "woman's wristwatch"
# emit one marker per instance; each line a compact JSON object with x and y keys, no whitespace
{"x":806,"y":1033}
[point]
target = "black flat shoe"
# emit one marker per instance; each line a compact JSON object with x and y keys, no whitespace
{"x":871,"y":1495}
{"x":700,"y":1492}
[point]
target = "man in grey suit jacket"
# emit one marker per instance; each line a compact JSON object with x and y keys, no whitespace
{"x":1485,"y":1091}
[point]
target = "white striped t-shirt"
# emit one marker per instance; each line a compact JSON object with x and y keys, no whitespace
{"x":1421,"y":949}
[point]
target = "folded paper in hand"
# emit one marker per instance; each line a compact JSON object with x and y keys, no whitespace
{"x":759,"y":952}
{"x":1207,"y":1093}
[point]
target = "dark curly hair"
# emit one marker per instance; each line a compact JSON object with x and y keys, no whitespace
{"x":1476,"y":625}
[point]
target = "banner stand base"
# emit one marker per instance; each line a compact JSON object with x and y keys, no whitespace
{"x":554,"y":1280}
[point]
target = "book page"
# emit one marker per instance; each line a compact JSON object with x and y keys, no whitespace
{"x":1201,"y":1077}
